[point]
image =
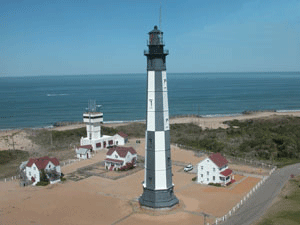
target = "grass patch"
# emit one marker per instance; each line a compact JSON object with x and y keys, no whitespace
{"x":133,"y":129}
{"x":10,"y":161}
{"x":287,"y":210}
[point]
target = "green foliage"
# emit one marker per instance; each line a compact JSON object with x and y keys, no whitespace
{"x":43,"y":176}
{"x":133,"y":129}
{"x":42,"y":183}
{"x":6,"y":156}
{"x":63,"y":179}
{"x":274,"y":139}
{"x":194,"y":178}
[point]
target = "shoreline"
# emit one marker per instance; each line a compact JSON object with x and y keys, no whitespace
{"x":230,"y":116}
{"x":242,"y":115}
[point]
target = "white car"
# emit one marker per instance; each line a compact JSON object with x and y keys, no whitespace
{"x":188,"y":168}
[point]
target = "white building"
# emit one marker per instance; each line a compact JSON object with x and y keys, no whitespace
{"x":84,"y":151}
{"x":35,"y":165}
{"x":94,"y":138}
{"x":117,"y":157}
{"x":214,"y":169}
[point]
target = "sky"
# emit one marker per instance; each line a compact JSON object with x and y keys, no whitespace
{"x":69,"y":37}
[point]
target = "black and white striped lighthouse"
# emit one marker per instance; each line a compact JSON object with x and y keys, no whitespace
{"x":158,"y":186}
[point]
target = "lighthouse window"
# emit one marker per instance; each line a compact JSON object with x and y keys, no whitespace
{"x":150,"y":100}
{"x":165,"y":82}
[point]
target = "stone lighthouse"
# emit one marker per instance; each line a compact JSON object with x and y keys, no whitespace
{"x":158,"y":187}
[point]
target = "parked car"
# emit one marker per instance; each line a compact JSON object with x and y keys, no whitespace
{"x":188,"y":168}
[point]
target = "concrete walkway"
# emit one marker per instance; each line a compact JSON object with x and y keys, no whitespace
{"x":261,"y":200}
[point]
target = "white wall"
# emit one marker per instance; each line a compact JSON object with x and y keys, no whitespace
{"x":210,"y":167}
{"x":104,"y":138}
{"x":33,"y":172}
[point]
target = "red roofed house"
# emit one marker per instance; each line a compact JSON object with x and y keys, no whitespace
{"x":214,"y":169}
{"x":35,"y":165}
{"x":120,"y":138}
{"x":117,"y":157}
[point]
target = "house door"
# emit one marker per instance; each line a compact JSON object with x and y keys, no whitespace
{"x":87,"y":155}
{"x":104,"y":144}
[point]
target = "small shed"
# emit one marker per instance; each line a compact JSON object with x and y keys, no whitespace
{"x":84,"y":152}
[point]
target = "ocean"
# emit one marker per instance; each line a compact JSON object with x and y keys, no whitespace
{"x":41,"y":101}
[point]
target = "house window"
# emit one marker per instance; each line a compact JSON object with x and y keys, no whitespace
{"x":29,"y":173}
{"x":116,"y":156}
{"x":207,"y":160}
{"x":214,"y":169}
{"x":34,"y":167}
{"x":150,"y":179}
{"x":34,"y":176}
{"x":207,"y":173}
{"x":201,"y":175}
{"x":201,"y":167}
{"x":49,"y":166}
{"x":207,"y":179}
{"x":214,"y":178}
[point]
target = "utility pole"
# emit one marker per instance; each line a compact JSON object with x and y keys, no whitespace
{"x":12,"y":136}
{"x":51,"y":138}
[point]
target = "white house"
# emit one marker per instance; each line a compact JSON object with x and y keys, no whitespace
{"x":35,"y":165}
{"x":214,"y":169}
{"x":84,"y":151}
{"x":117,"y":157}
{"x":120,"y":138}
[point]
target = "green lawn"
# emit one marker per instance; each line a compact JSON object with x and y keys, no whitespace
{"x":286,"y":211}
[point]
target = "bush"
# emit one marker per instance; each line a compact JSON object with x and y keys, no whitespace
{"x":213,"y":184}
{"x":62,"y":179}
{"x":42,"y":183}
{"x":44,"y":177}
{"x":194,"y":178}
{"x":128,"y":166}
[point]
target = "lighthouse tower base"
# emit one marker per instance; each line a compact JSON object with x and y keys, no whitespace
{"x":158,"y":198}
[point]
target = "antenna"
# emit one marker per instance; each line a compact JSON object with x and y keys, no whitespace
{"x":160,"y":17}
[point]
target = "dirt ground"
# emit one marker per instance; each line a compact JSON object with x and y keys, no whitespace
{"x":98,"y":200}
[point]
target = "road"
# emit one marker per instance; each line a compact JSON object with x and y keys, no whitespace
{"x":261,"y":200}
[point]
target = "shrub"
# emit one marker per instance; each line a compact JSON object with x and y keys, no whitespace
{"x":194,"y":178}
{"x":213,"y":184}
{"x":42,"y":183}
{"x":62,"y":179}
{"x":44,"y":177}
{"x":128,"y":166}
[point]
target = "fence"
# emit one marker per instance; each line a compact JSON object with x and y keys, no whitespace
{"x":244,"y":199}
{"x":12,"y":178}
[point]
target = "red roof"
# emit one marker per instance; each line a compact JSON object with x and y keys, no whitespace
{"x":42,"y":162}
{"x":122,"y":134}
{"x":218,"y":159}
{"x":86,"y":146}
{"x":114,"y":160}
{"x":226,"y":172}
{"x":122,"y":151}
